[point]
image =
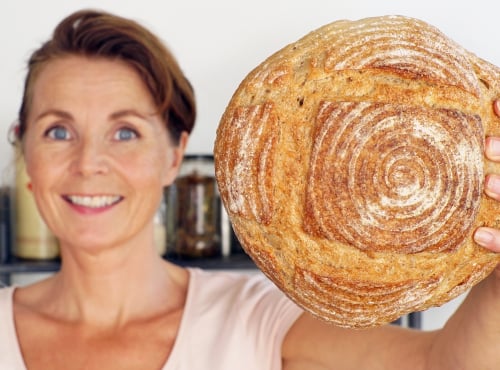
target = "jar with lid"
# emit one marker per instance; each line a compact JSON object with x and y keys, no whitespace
{"x":193,"y":210}
{"x":33,"y":239}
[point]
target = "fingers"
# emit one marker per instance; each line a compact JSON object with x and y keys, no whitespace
{"x":488,"y":237}
{"x":493,"y":143}
{"x":492,"y":186}
{"x":492,"y":152}
{"x":496,"y":107}
{"x":492,"y":148}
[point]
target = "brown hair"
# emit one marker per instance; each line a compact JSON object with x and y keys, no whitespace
{"x":93,"y":33}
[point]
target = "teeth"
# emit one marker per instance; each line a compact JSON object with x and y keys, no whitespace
{"x":94,"y":201}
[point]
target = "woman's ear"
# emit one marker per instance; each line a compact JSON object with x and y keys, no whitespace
{"x":176,"y":156}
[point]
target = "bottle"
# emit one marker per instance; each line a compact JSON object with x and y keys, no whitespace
{"x":193,"y":217}
{"x":33,"y":239}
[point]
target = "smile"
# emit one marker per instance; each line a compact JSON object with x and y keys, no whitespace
{"x":98,"y":201}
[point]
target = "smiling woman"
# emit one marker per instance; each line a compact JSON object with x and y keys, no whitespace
{"x":109,"y":161}
{"x":104,"y":122}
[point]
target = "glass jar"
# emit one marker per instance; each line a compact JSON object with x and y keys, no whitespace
{"x":33,"y":239}
{"x":193,"y":210}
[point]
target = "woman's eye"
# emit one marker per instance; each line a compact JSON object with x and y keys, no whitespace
{"x":125,"y":134}
{"x":58,"y":133}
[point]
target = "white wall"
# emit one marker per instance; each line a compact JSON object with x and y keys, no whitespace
{"x":219,"y":41}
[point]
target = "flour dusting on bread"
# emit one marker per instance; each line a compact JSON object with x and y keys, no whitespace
{"x":351,"y":165}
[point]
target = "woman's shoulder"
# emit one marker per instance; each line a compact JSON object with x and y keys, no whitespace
{"x":29,"y":295}
{"x":235,"y":288}
{"x":6,"y":294}
{"x":6,"y":304}
{"x":226,"y":280}
{"x":10,"y":355}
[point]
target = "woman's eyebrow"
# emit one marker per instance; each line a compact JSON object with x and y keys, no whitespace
{"x":129,"y":112}
{"x":116,"y":115}
{"x":54,"y":112}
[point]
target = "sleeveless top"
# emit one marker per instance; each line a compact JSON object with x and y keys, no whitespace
{"x":230,"y":321}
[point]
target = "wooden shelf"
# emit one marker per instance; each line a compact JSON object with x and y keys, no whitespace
{"x":239,"y":261}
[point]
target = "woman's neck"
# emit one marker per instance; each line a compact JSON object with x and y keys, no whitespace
{"x":116,"y":285}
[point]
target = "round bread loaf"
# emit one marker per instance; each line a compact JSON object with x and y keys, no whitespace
{"x":351,"y":165}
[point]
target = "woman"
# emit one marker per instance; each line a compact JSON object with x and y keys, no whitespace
{"x":104,"y":122}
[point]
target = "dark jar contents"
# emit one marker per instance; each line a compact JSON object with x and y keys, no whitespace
{"x":193,"y":216}
{"x":193,"y":211}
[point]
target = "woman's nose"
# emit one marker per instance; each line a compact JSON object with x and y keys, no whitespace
{"x":90,"y":158}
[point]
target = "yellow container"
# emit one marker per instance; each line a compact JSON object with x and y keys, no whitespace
{"x":33,"y":239}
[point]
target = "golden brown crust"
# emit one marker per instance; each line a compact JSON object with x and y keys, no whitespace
{"x":385,"y":177}
{"x":351,"y":165}
{"x":253,"y":143}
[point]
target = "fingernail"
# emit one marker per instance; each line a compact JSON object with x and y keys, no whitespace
{"x":493,"y":184}
{"x":483,"y":237}
{"x":496,"y":106}
{"x":494,"y":146}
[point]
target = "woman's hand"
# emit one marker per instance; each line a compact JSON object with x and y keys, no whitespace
{"x":486,"y":236}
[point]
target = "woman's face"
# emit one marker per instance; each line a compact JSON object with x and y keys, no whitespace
{"x":96,"y":151}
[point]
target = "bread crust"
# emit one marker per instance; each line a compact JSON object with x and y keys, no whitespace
{"x":351,"y":165}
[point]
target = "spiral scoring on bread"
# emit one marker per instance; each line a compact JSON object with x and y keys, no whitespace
{"x":387,"y":151}
{"x":335,"y":297}
{"x":399,"y":45}
{"x":387,"y":177}
{"x":249,"y":150}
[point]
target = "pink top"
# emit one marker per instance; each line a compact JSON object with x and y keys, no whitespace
{"x":231,"y":321}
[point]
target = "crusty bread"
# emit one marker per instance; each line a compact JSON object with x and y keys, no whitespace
{"x":351,"y":165}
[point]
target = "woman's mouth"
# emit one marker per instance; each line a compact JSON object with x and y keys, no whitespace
{"x":93,"y":201}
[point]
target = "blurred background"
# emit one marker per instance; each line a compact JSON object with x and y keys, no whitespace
{"x":218,"y":42}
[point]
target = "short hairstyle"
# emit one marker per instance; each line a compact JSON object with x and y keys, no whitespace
{"x":93,"y":33}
